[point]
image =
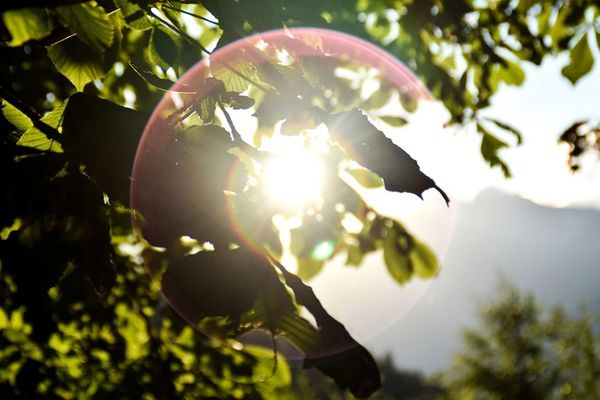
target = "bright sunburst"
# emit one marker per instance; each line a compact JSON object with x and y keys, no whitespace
{"x":294,"y":178}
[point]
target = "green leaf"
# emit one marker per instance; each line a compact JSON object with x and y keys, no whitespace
{"x":490,"y":145}
{"x":26,"y":24}
{"x":162,"y":49}
{"x":135,"y":17}
{"x":559,"y":29}
{"x":37,"y":139}
{"x":408,"y":102}
{"x":366,"y":178}
{"x":309,"y":268}
{"x":423,"y":260}
{"x":581,"y":60}
{"x":394,"y":121}
{"x":512,"y":74}
{"x":508,"y":128}
{"x":235,"y":74}
{"x":206,"y":109}
{"x":15,"y":117}
{"x":354,"y":256}
{"x":77,"y":61}
{"x":397,"y":262}
{"x":91,"y":24}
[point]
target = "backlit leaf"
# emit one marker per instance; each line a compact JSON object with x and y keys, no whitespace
{"x":26,"y":24}
{"x":490,"y":145}
{"x":508,"y":128}
{"x":77,"y":61}
{"x":366,"y":178}
{"x":35,"y":138}
{"x":393,"y":120}
{"x":581,"y":60}
{"x":309,"y":268}
{"x":423,"y":260}
{"x":91,"y":24}
{"x":15,"y":117}
{"x":396,"y":260}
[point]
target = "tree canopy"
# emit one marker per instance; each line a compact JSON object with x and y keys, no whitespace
{"x":519,"y":351}
{"x":79,"y":315}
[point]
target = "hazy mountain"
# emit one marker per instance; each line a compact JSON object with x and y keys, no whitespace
{"x":555,"y":253}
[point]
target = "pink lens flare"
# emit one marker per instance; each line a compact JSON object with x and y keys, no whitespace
{"x":366,"y":300}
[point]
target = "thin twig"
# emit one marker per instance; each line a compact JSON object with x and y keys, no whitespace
{"x":193,"y":15}
{"x":183,"y":34}
{"x":237,"y":138}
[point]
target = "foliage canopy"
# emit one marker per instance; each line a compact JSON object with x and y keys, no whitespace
{"x":78,"y":315}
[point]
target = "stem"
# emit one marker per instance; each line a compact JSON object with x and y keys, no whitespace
{"x":237,"y":138}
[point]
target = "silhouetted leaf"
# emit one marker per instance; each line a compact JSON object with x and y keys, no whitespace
{"x":376,"y":152}
{"x":581,"y":60}
{"x":189,"y":175}
{"x":215,"y":283}
{"x":103,"y":136}
{"x":337,"y":355}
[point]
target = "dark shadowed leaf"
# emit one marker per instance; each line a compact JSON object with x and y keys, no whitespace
{"x":180,"y":189}
{"x":216,"y":283}
{"x":400,"y":172}
{"x":162,"y":50}
{"x":351,"y":367}
{"x":103,"y":136}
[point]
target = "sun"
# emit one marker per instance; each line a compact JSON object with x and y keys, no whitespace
{"x":294,"y":178}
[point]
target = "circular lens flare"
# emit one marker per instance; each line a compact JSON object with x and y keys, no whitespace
{"x":294,"y":179}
